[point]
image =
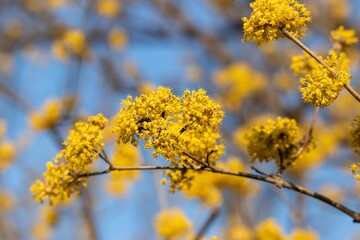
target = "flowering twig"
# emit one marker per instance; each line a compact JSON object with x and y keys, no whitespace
{"x":319,"y":60}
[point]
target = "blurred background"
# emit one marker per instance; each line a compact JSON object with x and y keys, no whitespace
{"x":63,"y":60}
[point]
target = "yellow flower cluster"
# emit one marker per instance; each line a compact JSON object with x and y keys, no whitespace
{"x":172,"y":224}
{"x":108,"y":8}
{"x":274,"y":140}
{"x":268,"y":230}
{"x":270,"y":16}
{"x":173,"y":125}
{"x":81,"y":147}
{"x":236,"y":82}
{"x":343,"y":39}
{"x":71,"y":43}
{"x":51,"y":113}
{"x":48,"y":117}
{"x":7,"y":154}
{"x":208,"y":186}
{"x":49,"y":217}
{"x":7,"y":149}
{"x":124,"y":155}
{"x":117,"y":39}
{"x":303,"y":234}
{"x":319,"y":86}
{"x":7,"y":201}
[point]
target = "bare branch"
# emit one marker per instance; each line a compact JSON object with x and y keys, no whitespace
{"x":275,"y":180}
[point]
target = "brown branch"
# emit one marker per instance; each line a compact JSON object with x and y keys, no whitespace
{"x":214,"y":214}
{"x":320,"y":61}
{"x":275,"y":180}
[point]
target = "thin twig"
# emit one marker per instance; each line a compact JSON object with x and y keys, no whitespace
{"x":275,"y":180}
{"x":307,"y":140}
{"x":104,"y":157}
{"x":319,"y":60}
{"x":207,"y":224}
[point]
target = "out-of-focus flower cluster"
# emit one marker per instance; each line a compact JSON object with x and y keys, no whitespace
{"x":124,"y":155}
{"x":72,"y":43}
{"x":51,"y":113}
{"x":267,"y":230}
{"x":172,"y":224}
{"x":236,"y":82}
{"x":180,"y":129}
{"x":7,"y":149}
{"x":343,"y":38}
{"x":270,"y":16}
{"x":83,"y":145}
{"x":49,"y":217}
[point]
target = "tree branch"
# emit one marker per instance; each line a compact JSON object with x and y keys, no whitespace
{"x":274,"y":180}
{"x":319,"y":60}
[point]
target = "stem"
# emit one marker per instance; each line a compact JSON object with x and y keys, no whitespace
{"x":207,"y":224}
{"x":319,"y":60}
{"x":307,"y":140}
{"x":274,"y":180}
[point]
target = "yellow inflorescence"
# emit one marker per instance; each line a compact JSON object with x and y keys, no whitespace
{"x":124,"y":155}
{"x":117,"y":39}
{"x":7,"y":201}
{"x":49,"y":217}
{"x":269,"y":230}
{"x":303,"y":234}
{"x":108,"y":8}
{"x":7,"y":154}
{"x":171,"y":126}
{"x":238,"y":81}
{"x":275,"y":140}
{"x":48,"y":117}
{"x":319,"y":86}
{"x":81,"y":147}
{"x":172,"y":224}
{"x":270,"y":16}
{"x":72,"y":43}
{"x":343,"y":38}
